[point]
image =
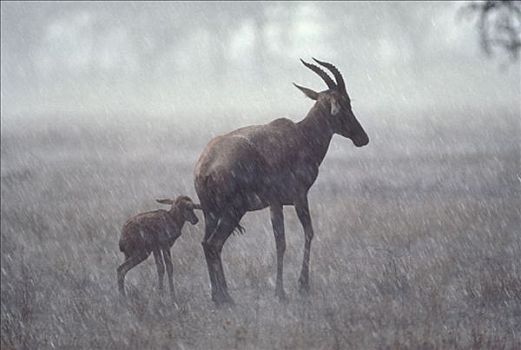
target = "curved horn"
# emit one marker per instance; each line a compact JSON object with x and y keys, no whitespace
{"x":327,"y":79}
{"x":336,"y":73}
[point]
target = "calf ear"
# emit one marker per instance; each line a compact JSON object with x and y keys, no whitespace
{"x":165,"y":201}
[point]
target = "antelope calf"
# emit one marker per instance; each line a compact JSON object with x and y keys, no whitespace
{"x":155,"y":232}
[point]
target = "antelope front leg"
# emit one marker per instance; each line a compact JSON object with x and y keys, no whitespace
{"x":302,"y":208}
{"x":277,"y":221}
{"x":160,"y":268}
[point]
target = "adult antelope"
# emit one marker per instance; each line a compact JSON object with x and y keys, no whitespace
{"x":271,"y":165}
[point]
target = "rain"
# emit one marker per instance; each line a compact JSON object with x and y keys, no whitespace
{"x":108,"y":106}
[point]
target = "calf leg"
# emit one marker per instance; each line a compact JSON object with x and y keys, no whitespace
{"x":124,"y":268}
{"x":160,"y":268}
{"x":169,"y":270}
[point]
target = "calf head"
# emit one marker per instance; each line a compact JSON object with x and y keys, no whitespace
{"x":183,"y":206}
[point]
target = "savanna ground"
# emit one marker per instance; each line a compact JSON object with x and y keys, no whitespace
{"x":417,"y":245}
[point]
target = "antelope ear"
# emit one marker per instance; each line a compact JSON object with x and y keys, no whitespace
{"x":308,"y":92}
{"x":335,"y":107}
{"x":165,"y":201}
{"x":197,"y":206}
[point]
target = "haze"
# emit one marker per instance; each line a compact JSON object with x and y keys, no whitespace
{"x":197,"y":61}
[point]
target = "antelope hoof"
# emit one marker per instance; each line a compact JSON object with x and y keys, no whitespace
{"x":281,"y":295}
{"x":121,"y":289}
{"x":222,"y":299}
{"x":173,"y":300}
{"x":303,"y":287}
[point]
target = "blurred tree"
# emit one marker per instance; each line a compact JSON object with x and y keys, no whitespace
{"x":499,"y":25}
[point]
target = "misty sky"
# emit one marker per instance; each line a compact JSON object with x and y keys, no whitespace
{"x":176,"y":58}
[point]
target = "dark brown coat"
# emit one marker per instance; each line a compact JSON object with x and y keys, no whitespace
{"x":154,"y":232}
{"x":270,"y":165}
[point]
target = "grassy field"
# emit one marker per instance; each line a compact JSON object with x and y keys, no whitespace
{"x":418,"y":242}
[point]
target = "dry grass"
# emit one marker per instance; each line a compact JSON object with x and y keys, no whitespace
{"x":417,"y":246}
